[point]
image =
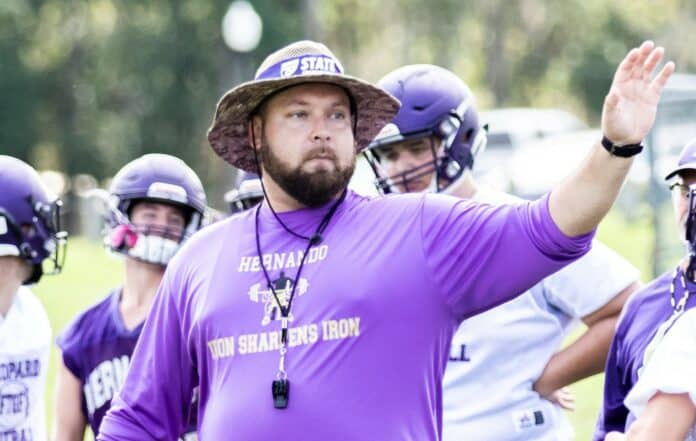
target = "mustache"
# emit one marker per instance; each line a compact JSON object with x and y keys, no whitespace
{"x":322,"y":151}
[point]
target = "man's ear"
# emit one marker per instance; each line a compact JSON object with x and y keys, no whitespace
{"x":255,"y":131}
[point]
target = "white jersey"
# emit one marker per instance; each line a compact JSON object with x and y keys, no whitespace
{"x":25,"y":339}
{"x":670,"y":368}
{"x":496,"y":356}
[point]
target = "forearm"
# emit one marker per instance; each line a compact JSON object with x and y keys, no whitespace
{"x":69,"y":423}
{"x":667,"y":417}
{"x":586,"y":356}
{"x":579,"y":203}
{"x":62,"y":433}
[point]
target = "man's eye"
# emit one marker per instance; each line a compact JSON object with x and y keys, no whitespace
{"x":420,"y":148}
{"x":391,"y":156}
{"x":299,"y":114}
{"x":338,"y":115}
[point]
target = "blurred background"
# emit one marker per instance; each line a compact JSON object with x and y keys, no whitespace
{"x":86,"y":86}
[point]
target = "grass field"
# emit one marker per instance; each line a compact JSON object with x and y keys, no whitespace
{"x":90,"y":273}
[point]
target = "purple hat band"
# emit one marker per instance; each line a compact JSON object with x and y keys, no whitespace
{"x":303,"y":65}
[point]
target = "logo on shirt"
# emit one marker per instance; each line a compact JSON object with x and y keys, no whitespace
{"x":14,"y":404}
{"x":104,"y":381}
{"x":459,"y":352}
{"x":283,"y":287}
{"x":528,"y":419}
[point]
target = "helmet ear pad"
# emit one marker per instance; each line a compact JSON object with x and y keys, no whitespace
{"x":123,"y":237}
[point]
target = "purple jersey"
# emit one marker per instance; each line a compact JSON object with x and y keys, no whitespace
{"x":370,"y":327}
{"x":97,"y":348}
{"x":645,"y":311}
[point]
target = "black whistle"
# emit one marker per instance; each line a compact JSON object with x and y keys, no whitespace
{"x":281,"y":392}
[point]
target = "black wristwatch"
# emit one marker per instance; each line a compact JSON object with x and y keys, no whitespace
{"x":622,"y":151}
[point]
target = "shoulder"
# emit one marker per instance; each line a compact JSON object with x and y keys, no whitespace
{"x":601,"y":269}
{"x":206,"y":244}
{"x":89,"y":326}
{"x":684,"y":329}
{"x":657,"y":289}
{"x":390,"y":202}
{"x":29,"y":305}
{"x":217,"y":230}
{"x":33,"y":323}
{"x":646,"y":301}
{"x":216,"y":233}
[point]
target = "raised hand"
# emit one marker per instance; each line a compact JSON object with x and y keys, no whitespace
{"x":630,"y":106}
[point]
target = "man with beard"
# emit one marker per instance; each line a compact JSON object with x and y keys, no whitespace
{"x":333,"y":319}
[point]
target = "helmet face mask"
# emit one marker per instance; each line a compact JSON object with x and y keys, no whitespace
{"x":421,"y":150}
{"x":30,"y":226}
{"x":152,"y":244}
{"x":437,"y":104}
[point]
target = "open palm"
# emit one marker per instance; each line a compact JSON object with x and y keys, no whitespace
{"x":630,"y":106}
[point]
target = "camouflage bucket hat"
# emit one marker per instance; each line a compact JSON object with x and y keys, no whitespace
{"x":299,"y":63}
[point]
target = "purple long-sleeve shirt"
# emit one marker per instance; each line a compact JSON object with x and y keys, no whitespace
{"x":645,"y":311}
{"x":375,"y":309}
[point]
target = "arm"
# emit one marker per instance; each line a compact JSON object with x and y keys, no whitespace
{"x":667,"y":417}
{"x":69,"y":421}
{"x":587,"y":355}
{"x":579,"y":203}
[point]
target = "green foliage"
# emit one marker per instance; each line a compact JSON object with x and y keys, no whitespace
{"x":87,"y":86}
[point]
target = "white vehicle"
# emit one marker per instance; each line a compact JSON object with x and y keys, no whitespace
{"x":540,"y":164}
{"x":508,"y":128}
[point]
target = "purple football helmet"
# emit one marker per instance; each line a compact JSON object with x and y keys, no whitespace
{"x":247,"y":194}
{"x":434,"y":103}
{"x":29,"y":219}
{"x":154,"y":178}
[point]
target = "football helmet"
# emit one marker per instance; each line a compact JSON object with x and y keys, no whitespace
{"x":156,"y":178}
{"x":30,"y":224}
{"x":247,"y":194}
{"x":434,"y":103}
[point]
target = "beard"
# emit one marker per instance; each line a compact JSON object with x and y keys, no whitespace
{"x":311,"y":189}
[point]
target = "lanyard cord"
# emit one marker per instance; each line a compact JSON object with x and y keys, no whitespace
{"x":285,"y":310}
{"x":315,"y":239}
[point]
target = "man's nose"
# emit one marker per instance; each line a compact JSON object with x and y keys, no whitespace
{"x":320,"y":129}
